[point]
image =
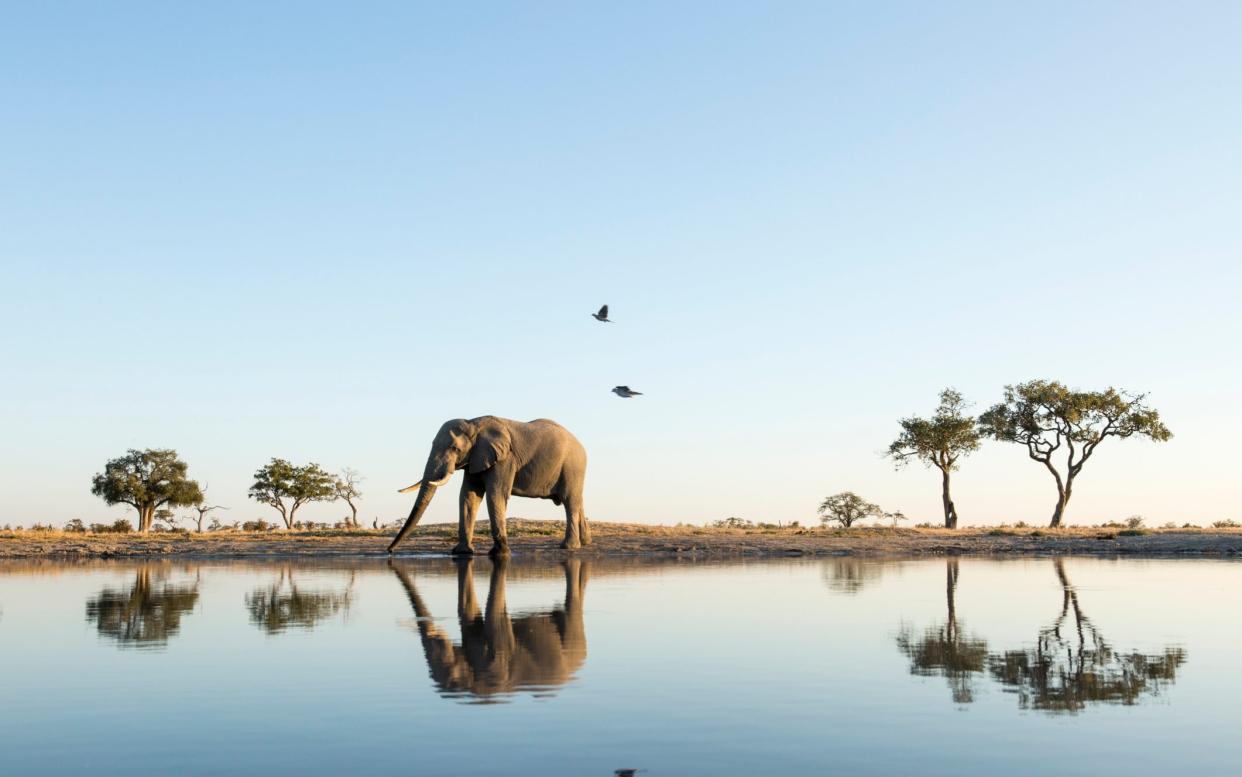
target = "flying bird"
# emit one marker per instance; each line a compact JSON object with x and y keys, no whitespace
{"x":602,"y":315}
{"x":625,"y":392}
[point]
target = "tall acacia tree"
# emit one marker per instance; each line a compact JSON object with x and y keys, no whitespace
{"x":938,"y":442}
{"x":147,"y":480}
{"x":1059,"y":424}
{"x":287,"y":487}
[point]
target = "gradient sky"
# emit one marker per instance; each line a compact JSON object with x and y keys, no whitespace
{"x":317,"y":231}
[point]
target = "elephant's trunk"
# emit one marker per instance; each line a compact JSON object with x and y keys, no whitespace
{"x":416,"y":514}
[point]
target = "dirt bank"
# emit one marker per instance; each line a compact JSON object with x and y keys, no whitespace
{"x":540,"y":538}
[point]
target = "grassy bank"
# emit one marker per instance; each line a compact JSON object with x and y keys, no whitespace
{"x":541,"y":538}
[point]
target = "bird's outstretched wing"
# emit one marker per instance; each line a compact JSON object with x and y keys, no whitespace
{"x":603,"y":312}
{"x":622,"y":388}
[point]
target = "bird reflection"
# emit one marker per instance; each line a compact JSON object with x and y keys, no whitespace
{"x":285,"y":605}
{"x":1070,"y":665}
{"x":500,"y":655}
{"x":147,"y":614}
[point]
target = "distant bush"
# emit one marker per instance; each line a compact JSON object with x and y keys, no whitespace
{"x":1226,"y":524}
{"x":732,"y":522}
{"x":1134,"y":522}
{"x":42,"y":527}
{"x":1136,"y":532}
{"x":76,"y":526}
{"x":924,"y":525}
{"x":257,"y":525}
{"x":121,"y":526}
{"x":1168,"y":525}
{"x":1021,"y":525}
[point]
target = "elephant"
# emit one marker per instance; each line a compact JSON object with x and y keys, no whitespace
{"x":539,"y":459}
{"x":500,"y":655}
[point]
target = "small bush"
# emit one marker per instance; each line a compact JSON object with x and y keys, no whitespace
{"x":1021,"y":525}
{"x":1226,"y":524}
{"x":733,"y":522}
{"x":257,"y":525}
{"x":1134,"y":522}
{"x":76,"y":526}
{"x":1132,"y":532}
{"x":1169,"y":525}
{"x":42,"y":527}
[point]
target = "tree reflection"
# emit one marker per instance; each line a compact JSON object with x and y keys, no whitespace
{"x":1069,"y":668}
{"x":498,"y":654}
{"x":1070,"y":665}
{"x":147,"y":614}
{"x":850,"y":575}
{"x":285,"y":605}
{"x":945,"y":650}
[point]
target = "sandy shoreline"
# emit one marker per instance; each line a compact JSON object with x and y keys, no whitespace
{"x":541,"y":539}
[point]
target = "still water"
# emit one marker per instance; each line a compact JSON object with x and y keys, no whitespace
{"x":428,"y":666}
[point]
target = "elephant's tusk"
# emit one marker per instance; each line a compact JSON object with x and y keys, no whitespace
{"x":408,"y":489}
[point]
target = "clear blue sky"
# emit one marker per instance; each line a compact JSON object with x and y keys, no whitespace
{"x":318,"y":231}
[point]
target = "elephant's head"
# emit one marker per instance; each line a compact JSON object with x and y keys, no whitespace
{"x":476,"y":444}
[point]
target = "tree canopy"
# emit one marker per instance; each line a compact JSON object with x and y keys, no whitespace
{"x":146,"y":480}
{"x":1057,"y":424}
{"x":938,"y":442}
{"x":287,"y":487}
{"x":847,"y":508}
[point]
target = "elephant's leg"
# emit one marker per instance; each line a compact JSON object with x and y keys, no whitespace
{"x":584,"y":528}
{"x":497,"y":504}
{"x":574,"y":524}
{"x":467,"y":509}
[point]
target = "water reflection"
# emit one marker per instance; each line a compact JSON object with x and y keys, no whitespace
{"x":946,"y":649}
{"x":500,"y":655}
{"x":850,"y":575}
{"x":285,"y":605}
{"x":1069,"y":666}
{"x":147,"y":614}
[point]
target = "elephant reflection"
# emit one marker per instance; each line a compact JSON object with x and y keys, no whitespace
{"x":146,"y":615}
{"x":1065,"y":670}
{"x":500,"y":655}
{"x":284,"y":605}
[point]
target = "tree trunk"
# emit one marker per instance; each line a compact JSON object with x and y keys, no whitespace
{"x":144,"y":518}
{"x":289,"y":518}
{"x":1063,"y":497}
{"x":950,"y":512}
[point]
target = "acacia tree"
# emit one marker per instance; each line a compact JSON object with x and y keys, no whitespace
{"x":938,"y":442}
{"x":348,"y":487}
{"x":146,"y":480}
{"x":287,"y":487}
{"x":202,"y":508}
{"x":847,"y":508}
{"x":1059,"y":424}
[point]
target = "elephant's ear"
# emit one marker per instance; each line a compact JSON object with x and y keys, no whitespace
{"x":490,"y":448}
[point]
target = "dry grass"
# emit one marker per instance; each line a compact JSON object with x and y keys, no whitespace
{"x":542,"y":537}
